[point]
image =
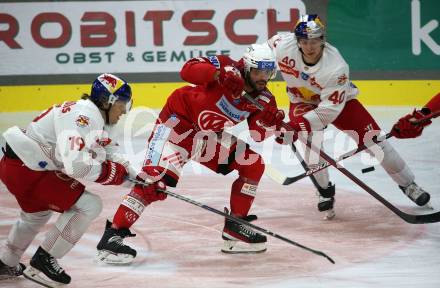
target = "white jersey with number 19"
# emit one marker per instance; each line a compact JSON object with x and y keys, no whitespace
{"x":67,"y":137}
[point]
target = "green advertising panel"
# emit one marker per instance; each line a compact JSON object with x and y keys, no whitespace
{"x":387,"y":35}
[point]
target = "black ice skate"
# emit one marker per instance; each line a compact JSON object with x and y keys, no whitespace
{"x":239,"y":238}
{"x":326,"y":201}
{"x":45,"y":270}
{"x":111,"y":249}
{"x":417,"y":194}
{"x":8,"y":272}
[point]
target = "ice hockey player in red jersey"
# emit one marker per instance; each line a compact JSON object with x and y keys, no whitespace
{"x":40,"y":166}
{"x":406,"y":128}
{"x":191,"y":127}
{"x":321,"y":93}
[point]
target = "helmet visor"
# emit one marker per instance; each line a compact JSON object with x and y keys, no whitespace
{"x":268,"y":68}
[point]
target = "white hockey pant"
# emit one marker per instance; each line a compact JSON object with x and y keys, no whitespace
{"x":21,"y":235}
{"x":393,"y":164}
{"x":72,"y":224}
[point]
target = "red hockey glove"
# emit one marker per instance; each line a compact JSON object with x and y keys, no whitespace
{"x":270,"y":116}
{"x":406,"y":128}
{"x":152,"y":192}
{"x":153,"y":176}
{"x":299,"y":124}
{"x":112,"y":173}
{"x":231,"y":81}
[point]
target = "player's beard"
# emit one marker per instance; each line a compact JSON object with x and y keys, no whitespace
{"x":260,"y":85}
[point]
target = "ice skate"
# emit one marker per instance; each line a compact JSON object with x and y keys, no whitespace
{"x":326,"y":201}
{"x":326,"y":205}
{"x":239,"y":238}
{"x":45,"y":270}
{"x":417,"y":195}
{"x":111,"y":249}
{"x":8,"y":272}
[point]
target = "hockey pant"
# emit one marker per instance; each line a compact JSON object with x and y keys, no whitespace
{"x":63,"y":235}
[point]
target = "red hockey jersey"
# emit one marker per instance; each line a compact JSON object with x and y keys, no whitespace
{"x":207,"y":107}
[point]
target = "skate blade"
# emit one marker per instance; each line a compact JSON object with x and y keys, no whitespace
{"x":428,"y":206}
{"x":329,"y":214}
{"x":113,"y":259}
{"x":37,"y":276}
{"x":240,"y":247}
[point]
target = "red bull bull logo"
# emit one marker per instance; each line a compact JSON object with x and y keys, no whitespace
{"x":111,"y":82}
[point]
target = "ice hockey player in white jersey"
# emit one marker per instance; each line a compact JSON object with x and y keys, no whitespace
{"x":40,"y":166}
{"x":321,"y":93}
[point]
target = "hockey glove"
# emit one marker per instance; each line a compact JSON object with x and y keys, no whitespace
{"x":299,"y":124}
{"x":152,"y":192}
{"x":406,"y":128}
{"x":231,"y":81}
{"x":151,"y":175}
{"x":270,"y":117}
{"x":112,"y":173}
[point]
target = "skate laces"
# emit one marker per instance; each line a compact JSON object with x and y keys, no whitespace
{"x":247,"y":230}
{"x":55,"y":265}
{"x":413,"y":191}
{"x":323,"y":199}
{"x":117,"y":240}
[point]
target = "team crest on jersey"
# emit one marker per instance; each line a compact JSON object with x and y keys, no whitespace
{"x":230,"y":110}
{"x":82,"y":121}
{"x":213,"y":121}
{"x":342,"y":79}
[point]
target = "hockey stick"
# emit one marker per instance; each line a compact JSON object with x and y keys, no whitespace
{"x":410,"y":218}
{"x":238,"y":220}
{"x":285,"y":180}
{"x":278,"y":177}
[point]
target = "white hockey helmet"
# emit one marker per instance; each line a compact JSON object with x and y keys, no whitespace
{"x":261,"y":57}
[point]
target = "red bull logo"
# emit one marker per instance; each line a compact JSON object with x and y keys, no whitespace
{"x":110,"y":80}
{"x":82,"y":121}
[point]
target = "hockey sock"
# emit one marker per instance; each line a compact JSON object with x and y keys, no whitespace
{"x":129,"y":211}
{"x":242,"y":196}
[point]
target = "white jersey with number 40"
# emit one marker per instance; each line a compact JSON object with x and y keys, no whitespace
{"x":325,"y":84}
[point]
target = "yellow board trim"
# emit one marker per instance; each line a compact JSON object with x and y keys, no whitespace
{"x":373,"y":92}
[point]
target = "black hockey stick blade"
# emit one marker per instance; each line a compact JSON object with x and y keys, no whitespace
{"x":422,"y":219}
